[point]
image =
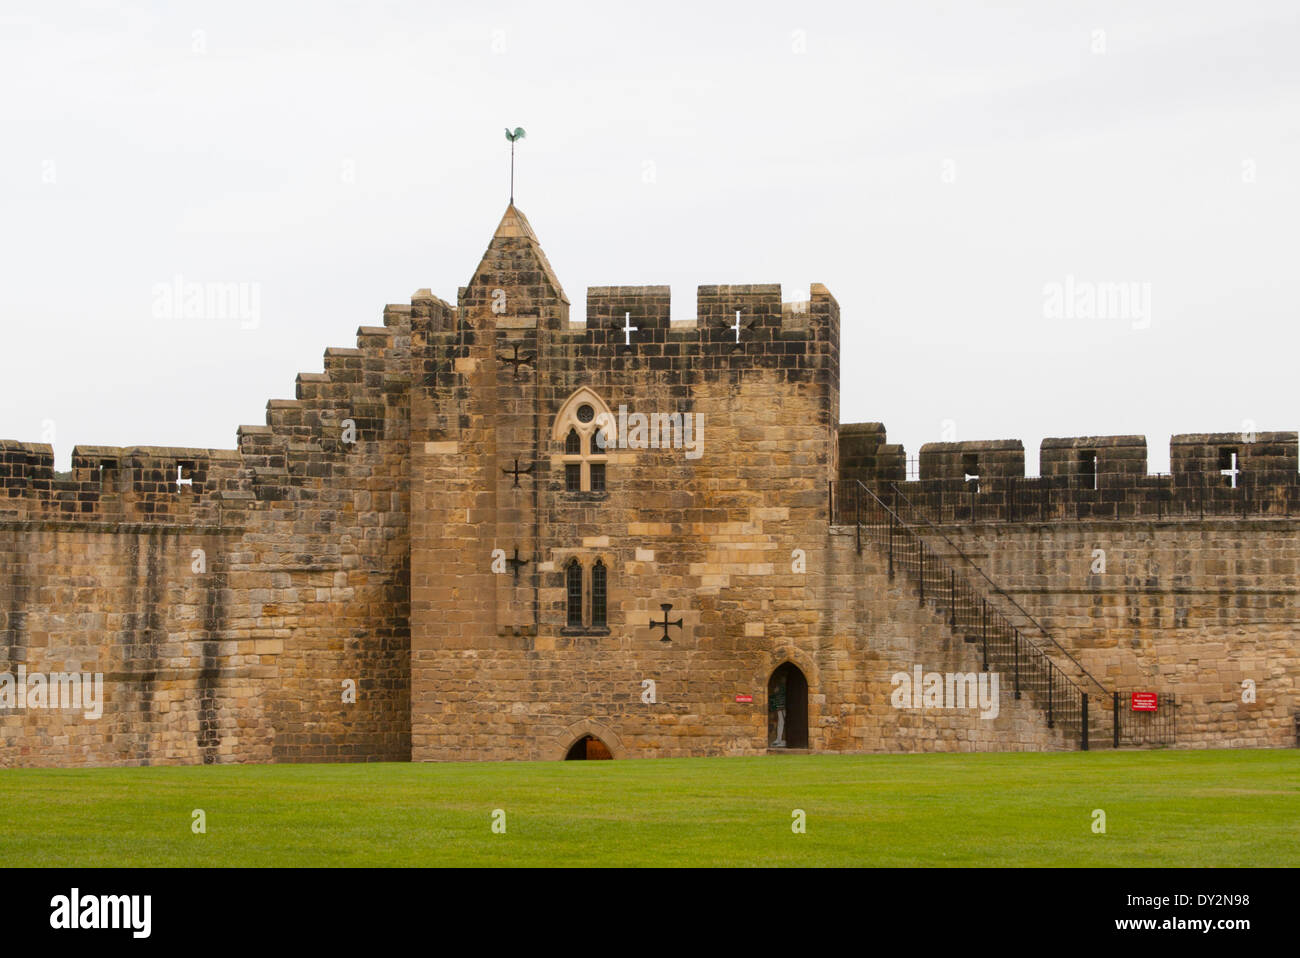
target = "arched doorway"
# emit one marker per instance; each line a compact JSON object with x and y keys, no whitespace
{"x":787,"y":708}
{"x":588,"y":747}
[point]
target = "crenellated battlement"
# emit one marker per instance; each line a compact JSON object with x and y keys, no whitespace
{"x":864,"y":454}
{"x":1214,"y":453}
{"x":1271,"y":453}
{"x":111,"y":483}
{"x":648,"y":308}
{"x":302,"y":442}
{"x":1212,"y":474}
{"x":1101,"y":455}
{"x":648,"y":311}
{"x":229,"y":592}
{"x":957,"y":460}
{"x":736,"y":328}
{"x":757,"y":310}
{"x":631,"y":325}
{"x":429,"y":520}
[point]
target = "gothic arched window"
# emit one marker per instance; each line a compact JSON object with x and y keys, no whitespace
{"x":586,"y":595}
{"x":598,"y":595}
{"x":573,"y":590}
{"x":581,"y":420}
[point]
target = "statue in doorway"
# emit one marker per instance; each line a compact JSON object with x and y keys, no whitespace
{"x":776,"y":705}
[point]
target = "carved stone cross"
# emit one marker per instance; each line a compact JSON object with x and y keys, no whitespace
{"x":516,"y":360}
{"x":516,"y":563}
{"x":667,"y":607}
{"x":517,"y":472}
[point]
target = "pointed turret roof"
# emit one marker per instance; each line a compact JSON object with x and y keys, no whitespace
{"x":513,"y":228}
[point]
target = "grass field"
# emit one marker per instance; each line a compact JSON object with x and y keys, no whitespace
{"x":1162,"y":808}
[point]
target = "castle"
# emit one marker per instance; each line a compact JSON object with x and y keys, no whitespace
{"x":488,"y":533}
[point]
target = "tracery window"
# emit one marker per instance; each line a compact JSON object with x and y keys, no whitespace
{"x":598,"y":595}
{"x":586,"y":595}
{"x":573,"y":590}
{"x":579,"y":427}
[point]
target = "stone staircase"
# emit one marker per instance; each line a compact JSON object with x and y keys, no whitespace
{"x":1070,"y":699}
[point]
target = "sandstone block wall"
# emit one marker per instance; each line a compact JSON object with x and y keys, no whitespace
{"x":124,"y":602}
{"x":1094,"y":457}
{"x":874,"y":627}
{"x":238,"y":651}
{"x":1192,"y":608}
{"x":1095,"y":477}
{"x":985,"y":459}
{"x":499,"y":672}
{"x":865,"y":455}
{"x":406,"y":523}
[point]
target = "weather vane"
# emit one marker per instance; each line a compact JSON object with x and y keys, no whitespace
{"x":517,"y":135}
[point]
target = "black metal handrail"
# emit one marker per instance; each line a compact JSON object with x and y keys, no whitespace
{"x":1101,"y":689}
{"x":1265,"y":493}
{"x":969,"y":613}
{"x":1155,"y":726}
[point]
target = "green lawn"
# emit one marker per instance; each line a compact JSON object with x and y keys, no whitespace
{"x":1162,"y":808}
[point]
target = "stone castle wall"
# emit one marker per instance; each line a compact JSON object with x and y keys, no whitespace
{"x":1246,"y":475}
{"x":1199,"y":591}
{"x":405,"y":524}
{"x":1185,"y":607}
{"x":496,"y":670}
{"x":239,"y":651}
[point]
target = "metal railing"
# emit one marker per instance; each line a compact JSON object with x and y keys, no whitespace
{"x":1000,"y":643}
{"x":1196,"y":495}
{"x":908,"y":511}
{"x":1146,"y":728}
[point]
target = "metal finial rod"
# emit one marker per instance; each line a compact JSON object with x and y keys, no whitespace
{"x":516,"y":135}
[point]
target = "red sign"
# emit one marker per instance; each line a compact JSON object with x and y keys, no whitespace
{"x":1144,"y":701}
{"x":744,"y":698}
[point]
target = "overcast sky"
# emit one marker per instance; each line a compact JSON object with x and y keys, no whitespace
{"x":941,"y":166}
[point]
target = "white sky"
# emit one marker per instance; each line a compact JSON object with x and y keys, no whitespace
{"x":342,"y":155}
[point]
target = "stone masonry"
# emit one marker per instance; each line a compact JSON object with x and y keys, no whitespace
{"x":429,"y":554}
